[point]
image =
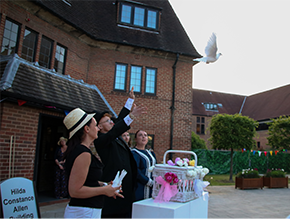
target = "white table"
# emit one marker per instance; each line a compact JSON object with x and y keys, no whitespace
{"x":197,"y":208}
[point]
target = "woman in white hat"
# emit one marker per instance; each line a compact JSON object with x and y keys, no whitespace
{"x":84,"y":169}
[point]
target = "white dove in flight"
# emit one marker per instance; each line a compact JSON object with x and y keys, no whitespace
{"x":210,"y":51}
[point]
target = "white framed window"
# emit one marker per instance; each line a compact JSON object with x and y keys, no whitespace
{"x":139,"y":16}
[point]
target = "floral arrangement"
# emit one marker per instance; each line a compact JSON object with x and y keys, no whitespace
{"x":171,"y":178}
{"x":181,"y":162}
{"x":185,"y":162}
{"x":249,"y":173}
{"x":168,"y":187}
{"x":275,"y":173}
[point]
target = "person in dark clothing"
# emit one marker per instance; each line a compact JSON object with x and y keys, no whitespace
{"x":60,"y":181}
{"x":116,"y":156}
{"x":84,"y":169}
{"x":145,"y":160}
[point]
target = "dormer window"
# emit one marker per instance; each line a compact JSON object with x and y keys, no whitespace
{"x":211,"y":106}
{"x":138,"y":15}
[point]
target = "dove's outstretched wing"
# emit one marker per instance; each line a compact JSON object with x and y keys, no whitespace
{"x":210,"y":51}
{"x":211,"y":48}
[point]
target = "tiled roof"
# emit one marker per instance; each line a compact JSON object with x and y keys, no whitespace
{"x":269,"y":104}
{"x":23,"y":80}
{"x":260,"y":107}
{"x":98,"y":19}
{"x":228,"y":103}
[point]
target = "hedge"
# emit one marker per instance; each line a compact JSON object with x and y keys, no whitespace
{"x":218,"y":162}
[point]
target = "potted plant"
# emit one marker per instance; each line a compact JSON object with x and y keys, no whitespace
{"x":249,"y":179}
{"x":275,"y":179}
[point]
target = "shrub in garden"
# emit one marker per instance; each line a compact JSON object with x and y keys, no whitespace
{"x":275,"y":173}
{"x":248,"y":173}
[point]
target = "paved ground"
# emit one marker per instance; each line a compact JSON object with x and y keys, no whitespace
{"x":225,"y":202}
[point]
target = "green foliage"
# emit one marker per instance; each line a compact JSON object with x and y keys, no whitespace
{"x":197,"y":142}
{"x":275,"y":173}
{"x":218,"y":162}
{"x":232,"y":131}
{"x":279,"y":133}
{"x":248,"y":173}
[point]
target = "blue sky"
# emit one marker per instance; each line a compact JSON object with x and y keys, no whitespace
{"x":252,"y":35}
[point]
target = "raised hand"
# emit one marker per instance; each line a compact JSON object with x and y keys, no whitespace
{"x":131,"y":93}
{"x":139,"y":110}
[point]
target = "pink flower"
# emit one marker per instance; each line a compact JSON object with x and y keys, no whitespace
{"x":186,"y":160}
{"x":177,"y":159}
{"x":175,"y":180}
{"x":169,"y":162}
{"x":168,"y":177}
{"x":171,"y":177}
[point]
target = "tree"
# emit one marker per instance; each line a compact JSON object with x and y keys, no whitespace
{"x":197,"y":142}
{"x":279,"y":133}
{"x":232,"y":132}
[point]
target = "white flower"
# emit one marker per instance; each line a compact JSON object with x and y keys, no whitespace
{"x":205,"y":170}
{"x":191,"y":173}
{"x":179,"y":163}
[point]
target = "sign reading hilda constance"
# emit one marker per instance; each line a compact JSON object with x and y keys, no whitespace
{"x":18,"y":199}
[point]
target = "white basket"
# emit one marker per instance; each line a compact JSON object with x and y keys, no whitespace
{"x":185,"y":184}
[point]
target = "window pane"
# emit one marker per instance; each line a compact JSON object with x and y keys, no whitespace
{"x":45,"y":52}
{"x":198,"y":128}
{"x":10,"y":37}
{"x":150,"y":81}
{"x":59,"y":59}
{"x":139,"y":16}
{"x":136,"y":73}
{"x":28,"y":48}
{"x":152,"y":19}
{"x":120,"y":79}
{"x":198,"y":119}
{"x":202,"y":129}
{"x":126,"y":14}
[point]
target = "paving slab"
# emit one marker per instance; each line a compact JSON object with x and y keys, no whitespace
{"x":228,"y":202}
{"x":225,"y":202}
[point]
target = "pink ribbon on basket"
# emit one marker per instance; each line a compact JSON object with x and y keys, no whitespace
{"x":166,"y":192}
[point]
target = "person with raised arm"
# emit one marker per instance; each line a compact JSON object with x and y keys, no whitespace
{"x":116,"y":156}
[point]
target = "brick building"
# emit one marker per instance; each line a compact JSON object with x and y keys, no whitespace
{"x":262,"y":107}
{"x":58,"y":55}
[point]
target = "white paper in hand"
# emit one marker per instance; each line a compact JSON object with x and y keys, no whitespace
{"x":118,"y":178}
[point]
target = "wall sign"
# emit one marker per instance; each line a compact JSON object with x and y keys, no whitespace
{"x":18,"y":199}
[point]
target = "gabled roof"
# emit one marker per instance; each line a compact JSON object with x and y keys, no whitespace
{"x":23,"y":80}
{"x":269,"y":104}
{"x":98,"y":19}
{"x":228,"y":103}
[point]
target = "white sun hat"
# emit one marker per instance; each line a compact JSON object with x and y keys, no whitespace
{"x":75,"y":120}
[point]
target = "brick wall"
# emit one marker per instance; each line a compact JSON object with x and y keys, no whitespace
{"x":262,"y":138}
{"x":157,"y":120}
{"x":96,"y":65}
{"x":21,"y":122}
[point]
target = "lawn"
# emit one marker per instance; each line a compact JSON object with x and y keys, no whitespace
{"x":219,"y":180}
{"x":222,"y":179}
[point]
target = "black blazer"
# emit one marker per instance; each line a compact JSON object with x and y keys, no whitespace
{"x":116,"y":156}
